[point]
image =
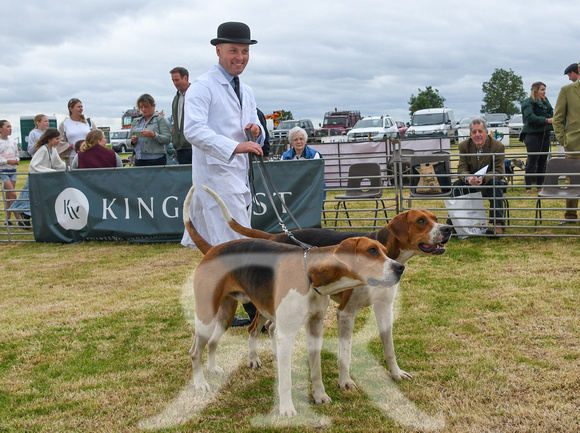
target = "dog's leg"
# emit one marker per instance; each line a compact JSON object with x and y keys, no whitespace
{"x":200,"y":339}
{"x":253,"y":358}
{"x":384,"y":315}
{"x":314,"y":327}
{"x":284,"y":342}
{"x":222,"y":321}
{"x":271,"y":326}
{"x":345,"y":320}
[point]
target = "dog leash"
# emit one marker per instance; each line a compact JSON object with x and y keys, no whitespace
{"x":266,"y":175}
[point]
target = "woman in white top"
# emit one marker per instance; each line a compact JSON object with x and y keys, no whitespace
{"x":73,"y":128}
{"x":41,"y":123}
{"x":46,"y":158}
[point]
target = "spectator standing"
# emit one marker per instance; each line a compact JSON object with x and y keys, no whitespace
{"x":9,"y":161}
{"x":180,"y":78}
{"x":41,"y":124}
{"x":94,"y":153}
{"x":474,"y":154}
{"x":537,"y":115}
{"x":219,"y":109}
{"x":73,"y":128}
{"x":567,"y":128}
{"x":150,"y":134}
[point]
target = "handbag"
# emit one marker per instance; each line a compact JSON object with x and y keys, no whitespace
{"x":434,"y":179}
{"x":467,"y":212}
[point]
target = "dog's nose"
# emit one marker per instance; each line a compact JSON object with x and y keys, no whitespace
{"x":398,"y":268}
{"x":446,"y":230}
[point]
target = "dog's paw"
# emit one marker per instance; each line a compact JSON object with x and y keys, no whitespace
{"x":255,"y":363}
{"x":201,"y":385}
{"x":216,"y":369}
{"x":287,"y":410}
{"x":347,"y":384}
{"x":322,"y":398}
{"x":400,"y":375}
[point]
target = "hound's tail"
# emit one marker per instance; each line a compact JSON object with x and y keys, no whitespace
{"x":234,"y":225}
{"x":203,"y":245}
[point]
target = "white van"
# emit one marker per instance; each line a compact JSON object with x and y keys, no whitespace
{"x":120,"y":140}
{"x":432,"y":122}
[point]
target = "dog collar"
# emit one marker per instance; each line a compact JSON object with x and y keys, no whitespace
{"x":307,"y":274}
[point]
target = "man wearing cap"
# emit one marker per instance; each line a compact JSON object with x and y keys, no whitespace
{"x":567,"y":127}
{"x":572,"y":72}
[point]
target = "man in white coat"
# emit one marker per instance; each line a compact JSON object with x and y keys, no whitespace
{"x":215,"y":123}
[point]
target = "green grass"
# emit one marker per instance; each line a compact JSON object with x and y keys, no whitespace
{"x":95,"y":337}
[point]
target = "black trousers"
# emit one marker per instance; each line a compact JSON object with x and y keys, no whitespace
{"x":184,"y":156}
{"x":536,"y":164}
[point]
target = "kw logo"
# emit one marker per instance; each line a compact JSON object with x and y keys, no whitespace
{"x":71,"y":208}
{"x":72,"y":212}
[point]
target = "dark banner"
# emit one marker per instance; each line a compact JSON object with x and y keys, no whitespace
{"x":145,"y":203}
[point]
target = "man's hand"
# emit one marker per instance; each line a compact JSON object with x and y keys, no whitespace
{"x":13,"y":161}
{"x":256,"y":131}
{"x":249,"y":147}
{"x":474,"y":180}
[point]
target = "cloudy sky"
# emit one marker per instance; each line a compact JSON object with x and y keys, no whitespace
{"x":311,"y":56}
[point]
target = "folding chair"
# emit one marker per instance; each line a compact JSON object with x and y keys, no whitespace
{"x":555,"y":168}
{"x":356,"y":191}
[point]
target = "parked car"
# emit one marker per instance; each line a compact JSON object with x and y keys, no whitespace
{"x":281,"y":132}
{"x":402,"y":128}
{"x":432,"y":122}
{"x":463,"y":126}
{"x":516,"y":124}
{"x":120,"y":141}
{"x":374,"y":128}
{"x":495,"y":120}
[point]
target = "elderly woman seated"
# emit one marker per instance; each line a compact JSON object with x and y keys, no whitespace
{"x":298,"y":138}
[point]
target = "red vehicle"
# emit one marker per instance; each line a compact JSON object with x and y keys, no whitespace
{"x":339,"y":122}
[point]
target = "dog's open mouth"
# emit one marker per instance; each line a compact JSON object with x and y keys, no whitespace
{"x":435,"y":249}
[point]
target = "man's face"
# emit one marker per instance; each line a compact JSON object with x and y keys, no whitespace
{"x":478,"y":134}
{"x":180,"y":83}
{"x":573,"y":76}
{"x":233,"y":57}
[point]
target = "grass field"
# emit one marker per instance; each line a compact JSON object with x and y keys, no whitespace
{"x":95,"y":337}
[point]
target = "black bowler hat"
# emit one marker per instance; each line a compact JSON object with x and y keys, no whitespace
{"x":572,"y":68}
{"x":233,"y":33}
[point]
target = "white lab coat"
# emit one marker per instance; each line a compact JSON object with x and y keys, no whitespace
{"x":214,"y":124}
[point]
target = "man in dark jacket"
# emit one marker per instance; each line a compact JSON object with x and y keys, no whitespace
{"x":180,"y":78}
{"x":478,"y":151}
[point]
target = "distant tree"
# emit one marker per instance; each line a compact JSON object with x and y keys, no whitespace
{"x":428,"y":98}
{"x":504,"y":93}
{"x":286,"y":115}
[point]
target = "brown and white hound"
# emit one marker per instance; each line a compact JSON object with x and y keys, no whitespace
{"x":414,"y":232}
{"x":289,"y":287}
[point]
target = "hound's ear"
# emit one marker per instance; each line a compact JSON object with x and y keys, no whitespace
{"x":346,"y":252}
{"x":399,"y":228}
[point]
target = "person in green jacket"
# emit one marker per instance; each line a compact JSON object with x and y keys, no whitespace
{"x":537,"y":114}
{"x":567,"y":130}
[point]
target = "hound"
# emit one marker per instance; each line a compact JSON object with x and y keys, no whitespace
{"x":288,"y":285}
{"x":414,"y":232}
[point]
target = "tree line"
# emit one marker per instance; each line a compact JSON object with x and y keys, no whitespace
{"x":503,"y":93}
